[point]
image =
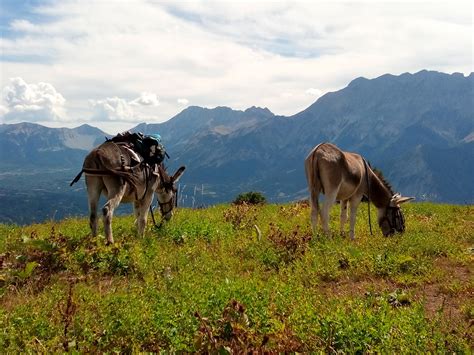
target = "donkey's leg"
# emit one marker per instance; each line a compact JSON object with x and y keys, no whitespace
{"x":94,"y":188}
{"x":314,"y":186}
{"x":116,"y":189}
{"x":329,"y":200}
{"x":315,"y":211}
{"x":343,"y":216}
{"x":354,"y":203}
{"x":136,"y":212}
{"x":141,"y":213}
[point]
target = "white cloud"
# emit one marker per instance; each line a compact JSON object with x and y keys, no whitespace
{"x":33,"y":102}
{"x":183,"y":101}
{"x":146,"y":99}
{"x":113,"y":109}
{"x":3,"y":110}
{"x":314,"y":92}
{"x":24,"y":26}
{"x":118,"y":109}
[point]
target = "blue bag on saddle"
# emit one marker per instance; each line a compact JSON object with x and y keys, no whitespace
{"x":153,"y":150}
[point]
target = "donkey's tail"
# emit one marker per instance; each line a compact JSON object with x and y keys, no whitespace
{"x":76,"y":179}
{"x":312,"y":176}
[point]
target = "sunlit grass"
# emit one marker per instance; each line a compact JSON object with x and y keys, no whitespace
{"x":241,"y":278}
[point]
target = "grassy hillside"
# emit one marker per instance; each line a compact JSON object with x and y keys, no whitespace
{"x":208,"y":281}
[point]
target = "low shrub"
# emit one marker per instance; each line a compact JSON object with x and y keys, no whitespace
{"x":251,"y":198}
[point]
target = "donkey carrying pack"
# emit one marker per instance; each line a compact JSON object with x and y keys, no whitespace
{"x":115,"y":171}
{"x":347,"y":177}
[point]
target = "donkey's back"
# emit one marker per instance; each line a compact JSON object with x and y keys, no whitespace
{"x":333,"y":172}
{"x":339,"y":176}
{"x":111,"y":167}
{"x":105,"y":156}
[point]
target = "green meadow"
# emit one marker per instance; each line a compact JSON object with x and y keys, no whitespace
{"x":242,"y":278}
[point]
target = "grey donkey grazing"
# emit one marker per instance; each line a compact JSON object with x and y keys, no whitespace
{"x":112,"y":171}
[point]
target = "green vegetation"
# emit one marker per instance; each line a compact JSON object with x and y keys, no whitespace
{"x":250,"y":198}
{"x":210,"y":280}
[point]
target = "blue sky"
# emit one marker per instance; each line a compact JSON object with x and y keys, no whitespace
{"x":114,"y":64}
{"x":11,"y":10}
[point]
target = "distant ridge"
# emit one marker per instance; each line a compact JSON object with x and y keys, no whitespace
{"x":30,"y":144}
{"x":418,"y":128}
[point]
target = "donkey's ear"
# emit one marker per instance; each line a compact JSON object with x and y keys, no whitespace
{"x":178,"y":173}
{"x":398,"y":199}
{"x":163,"y":175}
{"x":404,"y":199}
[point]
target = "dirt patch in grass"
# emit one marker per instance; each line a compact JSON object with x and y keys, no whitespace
{"x":445,"y":299}
{"x":356,"y":287}
{"x":450,"y":298}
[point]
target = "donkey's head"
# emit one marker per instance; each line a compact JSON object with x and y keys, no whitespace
{"x":391,"y":220}
{"x":166,"y":192}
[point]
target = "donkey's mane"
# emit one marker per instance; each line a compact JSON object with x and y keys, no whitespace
{"x":384,"y":181}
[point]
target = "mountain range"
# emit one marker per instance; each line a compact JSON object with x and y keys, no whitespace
{"x":417,"y":128}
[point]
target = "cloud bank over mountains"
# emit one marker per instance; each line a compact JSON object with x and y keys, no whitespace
{"x":42,"y":102}
{"x":31,"y":102}
{"x":117,"y":109}
{"x":100,"y":56}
